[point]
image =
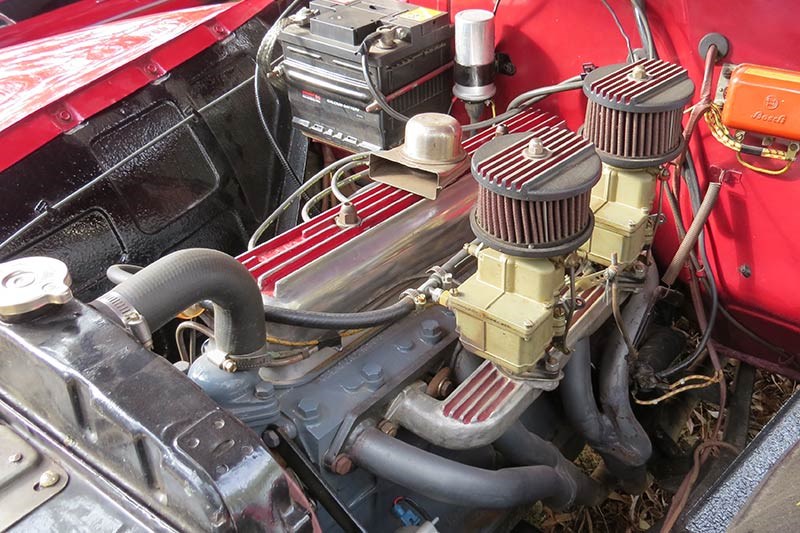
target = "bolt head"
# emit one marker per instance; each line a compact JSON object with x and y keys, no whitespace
{"x":372,"y":372}
{"x":342,"y":464}
{"x":271,"y":438}
{"x":48,"y":479}
{"x":264,"y":391}
{"x":15,"y":458}
{"x":745,"y":271}
{"x":388,"y":427}
{"x":308,"y":408}
{"x":431,"y":330}
{"x":405,"y":345}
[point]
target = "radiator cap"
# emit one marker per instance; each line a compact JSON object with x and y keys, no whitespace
{"x":31,"y":283}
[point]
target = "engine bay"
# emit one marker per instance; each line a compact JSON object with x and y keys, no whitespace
{"x":343,"y":269}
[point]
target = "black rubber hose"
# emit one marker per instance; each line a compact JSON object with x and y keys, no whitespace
{"x":339,"y":321}
{"x":622,"y":448}
{"x":116,"y":274}
{"x":456,"y":483}
{"x":165,"y":288}
{"x":524,"y":448}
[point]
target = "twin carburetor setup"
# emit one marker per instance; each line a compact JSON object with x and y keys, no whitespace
{"x":549,"y":199}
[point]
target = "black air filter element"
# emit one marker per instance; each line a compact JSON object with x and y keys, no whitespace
{"x":634,"y":112}
{"x":534,"y":193}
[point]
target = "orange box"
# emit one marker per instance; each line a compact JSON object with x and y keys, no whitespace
{"x":763,"y":100}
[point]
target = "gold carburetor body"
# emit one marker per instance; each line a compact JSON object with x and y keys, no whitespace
{"x":532,"y":211}
{"x":633,"y":117}
{"x":504,"y":312}
{"x":621,"y":202}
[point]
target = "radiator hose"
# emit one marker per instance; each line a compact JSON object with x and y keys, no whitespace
{"x":179,"y":280}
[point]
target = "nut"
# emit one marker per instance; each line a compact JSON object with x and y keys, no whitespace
{"x":342,"y":464}
{"x":445,"y":388}
{"x":440,"y":384}
{"x":639,"y":73}
{"x":347,"y":217}
{"x":388,"y":427}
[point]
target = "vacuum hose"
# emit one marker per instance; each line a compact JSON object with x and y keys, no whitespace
{"x":340,"y":321}
{"x":177,"y":281}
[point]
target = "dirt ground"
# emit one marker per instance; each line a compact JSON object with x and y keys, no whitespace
{"x":629,"y":514}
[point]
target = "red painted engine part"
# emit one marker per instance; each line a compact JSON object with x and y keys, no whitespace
{"x":307,"y":242}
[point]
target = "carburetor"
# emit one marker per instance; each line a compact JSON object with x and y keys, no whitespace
{"x":532,"y":212}
{"x":633,"y":117}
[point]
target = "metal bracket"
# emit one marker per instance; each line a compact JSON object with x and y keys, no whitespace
{"x":27,"y":479}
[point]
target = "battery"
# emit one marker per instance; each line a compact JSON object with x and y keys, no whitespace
{"x":326,"y":87}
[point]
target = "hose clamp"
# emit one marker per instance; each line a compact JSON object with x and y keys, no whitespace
{"x":419,"y":298}
{"x":237,"y":362}
{"x":119,"y":310}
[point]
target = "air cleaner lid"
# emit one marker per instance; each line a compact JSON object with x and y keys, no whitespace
{"x":546,"y":164}
{"x":646,"y":86}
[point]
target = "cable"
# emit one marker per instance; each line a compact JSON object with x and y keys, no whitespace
{"x":620,"y":28}
{"x":340,"y":196}
{"x":522,"y":101}
{"x":275,"y":215}
{"x":496,"y":5}
{"x":682,"y":495}
{"x":267,"y":46}
{"x":615,"y":309}
{"x":305,"y":213}
{"x":694,"y":359}
{"x":186,"y":326}
{"x":645,"y":34}
{"x":681,"y":386}
{"x":376,"y":94}
{"x":687,"y":244}
{"x":89,"y":184}
{"x":276,"y":149}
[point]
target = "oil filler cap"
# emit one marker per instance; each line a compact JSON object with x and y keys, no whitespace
{"x":29,"y":284}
